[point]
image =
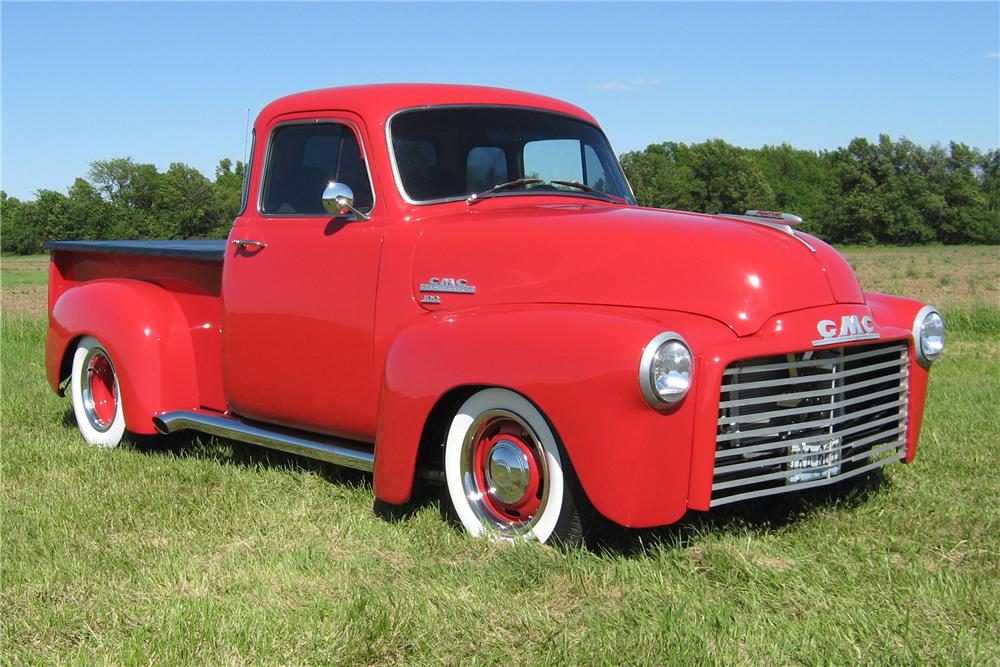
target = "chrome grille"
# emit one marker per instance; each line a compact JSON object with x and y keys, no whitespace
{"x":794,"y":421}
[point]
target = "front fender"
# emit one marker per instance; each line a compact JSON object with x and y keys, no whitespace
{"x":900,"y":312}
{"x":579,"y":365}
{"x":147,"y":335}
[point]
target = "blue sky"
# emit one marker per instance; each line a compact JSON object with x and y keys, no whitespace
{"x":172,"y":82}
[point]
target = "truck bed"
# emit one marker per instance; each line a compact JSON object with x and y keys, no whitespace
{"x":211,"y":250}
{"x":189,"y":271}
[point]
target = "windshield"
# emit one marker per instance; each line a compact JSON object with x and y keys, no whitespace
{"x":451,"y":153}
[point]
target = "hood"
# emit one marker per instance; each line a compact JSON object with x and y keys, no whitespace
{"x":738,"y":273}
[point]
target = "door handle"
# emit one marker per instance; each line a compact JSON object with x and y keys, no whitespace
{"x":244,"y":243}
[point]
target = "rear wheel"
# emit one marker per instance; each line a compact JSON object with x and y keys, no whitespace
{"x":505,"y":474}
{"x":96,"y":394}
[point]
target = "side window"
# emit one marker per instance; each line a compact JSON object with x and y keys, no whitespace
{"x":485,"y":167}
{"x":553,"y":159}
{"x":303,"y":158}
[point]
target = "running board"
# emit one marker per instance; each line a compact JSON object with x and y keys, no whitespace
{"x":332,"y":450}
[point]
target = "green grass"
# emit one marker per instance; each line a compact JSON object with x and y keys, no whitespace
{"x":203,"y":551}
{"x":979,"y":319}
{"x":20,"y":271}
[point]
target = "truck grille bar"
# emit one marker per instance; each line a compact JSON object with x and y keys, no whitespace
{"x":800,"y":420}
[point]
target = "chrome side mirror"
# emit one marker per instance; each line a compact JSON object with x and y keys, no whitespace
{"x":338,"y":199}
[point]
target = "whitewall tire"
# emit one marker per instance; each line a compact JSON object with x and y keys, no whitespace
{"x":506,"y":477}
{"x":96,"y":394}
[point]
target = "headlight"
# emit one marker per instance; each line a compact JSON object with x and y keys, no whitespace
{"x":666,"y":370}
{"x":928,"y":335}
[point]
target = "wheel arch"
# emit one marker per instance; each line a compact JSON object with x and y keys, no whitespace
{"x":430,"y":450}
{"x":145,"y":332}
{"x":66,"y":364}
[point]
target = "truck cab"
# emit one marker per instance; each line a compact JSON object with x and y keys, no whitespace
{"x":456,"y":283}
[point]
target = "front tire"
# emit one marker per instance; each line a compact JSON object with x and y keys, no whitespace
{"x":506,"y":476}
{"x":96,"y":395}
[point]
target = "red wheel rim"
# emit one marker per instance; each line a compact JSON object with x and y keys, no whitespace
{"x":508,"y":471}
{"x":102,"y":391}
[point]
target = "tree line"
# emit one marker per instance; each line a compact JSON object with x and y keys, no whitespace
{"x":894,"y":192}
{"x":123,"y":199}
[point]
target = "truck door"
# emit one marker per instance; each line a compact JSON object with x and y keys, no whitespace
{"x":299,"y":298}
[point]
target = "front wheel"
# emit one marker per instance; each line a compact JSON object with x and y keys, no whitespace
{"x":96,"y":395}
{"x":505,"y":475}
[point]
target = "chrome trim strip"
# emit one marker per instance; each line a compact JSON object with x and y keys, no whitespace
{"x":777,"y":460}
{"x":311,"y":121}
{"x":807,"y":485}
{"x":771,"y":398}
{"x":802,"y":379}
{"x":915,"y":332}
{"x":845,"y":339}
{"x":646,"y":368}
{"x":426,"y":107}
{"x":822,"y":437}
{"x":801,"y":426}
{"x":819,"y":407}
{"x":808,"y":363}
{"x":333,"y":450}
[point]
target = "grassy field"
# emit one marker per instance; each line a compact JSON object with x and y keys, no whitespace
{"x":203,"y":551}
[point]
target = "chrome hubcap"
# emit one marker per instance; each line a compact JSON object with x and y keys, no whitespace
{"x":508,"y":472}
{"x":504,"y":472}
{"x":99,"y":390}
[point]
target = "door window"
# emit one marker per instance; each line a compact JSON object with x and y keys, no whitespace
{"x":303,"y":159}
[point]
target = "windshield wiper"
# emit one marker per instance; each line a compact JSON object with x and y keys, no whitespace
{"x":474,"y":197}
{"x":589,"y":190}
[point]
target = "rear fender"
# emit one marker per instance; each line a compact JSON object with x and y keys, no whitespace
{"x":579,"y":365}
{"x":147,"y":335}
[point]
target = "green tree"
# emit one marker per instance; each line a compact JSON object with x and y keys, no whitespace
{"x":711,"y":177}
{"x":228,"y":193}
{"x":183,"y":203}
{"x":125,"y":183}
{"x":17,"y":234}
{"x":799,"y":180}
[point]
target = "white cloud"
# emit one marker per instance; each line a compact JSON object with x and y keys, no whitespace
{"x":992,"y":55}
{"x":628,"y":85}
{"x":610,"y":85}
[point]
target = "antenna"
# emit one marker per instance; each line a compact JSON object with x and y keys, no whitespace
{"x":246,"y":139}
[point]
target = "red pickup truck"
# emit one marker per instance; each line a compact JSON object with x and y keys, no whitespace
{"x":456,"y":283}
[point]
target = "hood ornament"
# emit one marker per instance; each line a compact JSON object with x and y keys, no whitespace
{"x":781,"y":221}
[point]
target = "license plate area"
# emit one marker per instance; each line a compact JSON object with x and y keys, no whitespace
{"x":813,"y":461}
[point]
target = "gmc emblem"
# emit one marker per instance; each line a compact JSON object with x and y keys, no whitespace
{"x":851,"y":328}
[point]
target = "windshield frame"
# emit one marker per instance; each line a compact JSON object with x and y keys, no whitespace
{"x":428,"y":107}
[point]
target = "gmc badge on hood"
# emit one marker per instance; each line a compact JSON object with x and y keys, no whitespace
{"x":851,"y":328}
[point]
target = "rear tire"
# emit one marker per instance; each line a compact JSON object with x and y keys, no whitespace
{"x":96,"y":395}
{"x":506,"y":476}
